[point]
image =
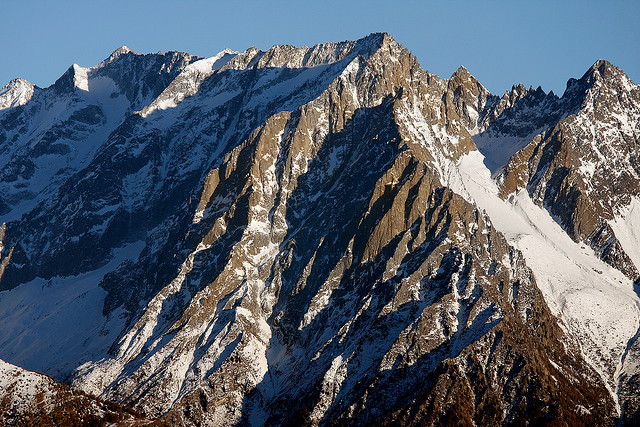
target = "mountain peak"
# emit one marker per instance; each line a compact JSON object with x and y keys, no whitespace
{"x":15,"y":93}
{"x":462,"y":78}
{"x":289,"y":56}
{"x":462,"y":75}
{"x":601,"y":65}
{"x":605,"y":71}
{"x":17,"y":82}
{"x":379,"y":36}
{"x":386,"y":37}
{"x":228,"y":51}
{"x":375,"y":41}
{"x":122,"y":50}
{"x":602,"y":72}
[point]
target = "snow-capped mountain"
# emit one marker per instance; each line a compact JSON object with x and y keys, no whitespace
{"x":323,"y":234}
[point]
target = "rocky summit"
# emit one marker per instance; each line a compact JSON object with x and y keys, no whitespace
{"x":317,"y":235}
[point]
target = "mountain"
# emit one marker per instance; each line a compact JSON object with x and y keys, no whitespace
{"x":324,"y":234}
{"x":584,"y":171}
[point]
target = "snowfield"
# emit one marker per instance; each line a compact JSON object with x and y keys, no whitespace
{"x":595,"y":302}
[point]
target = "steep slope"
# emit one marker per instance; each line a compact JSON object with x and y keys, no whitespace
{"x":15,"y":93}
{"x":563,"y":154}
{"x":133,"y":193}
{"x":45,"y":142}
{"x":595,"y":303}
{"x":471,"y":101}
{"x":585,"y":171}
{"x":514,"y":120}
{"x":47,"y":135}
{"x":501,"y":126}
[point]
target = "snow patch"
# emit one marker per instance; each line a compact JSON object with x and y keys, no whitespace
{"x":626,"y":227}
{"x":80,"y":78}
{"x":188,"y":82}
{"x":497,"y":150}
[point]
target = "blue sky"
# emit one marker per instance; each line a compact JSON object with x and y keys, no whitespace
{"x":501,"y":42}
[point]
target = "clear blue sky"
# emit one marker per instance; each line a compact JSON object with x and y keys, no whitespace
{"x":537,"y":42}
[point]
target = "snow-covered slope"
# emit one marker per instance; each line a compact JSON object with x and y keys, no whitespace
{"x":626,"y":226}
{"x":39,"y":314}
{"x":584,"y":168}
{"x":595,"y":302}
{"x":55,"y":132}
{"x":16,"y":93}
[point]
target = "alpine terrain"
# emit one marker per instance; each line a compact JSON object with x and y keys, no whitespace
{"x":317,"y":235}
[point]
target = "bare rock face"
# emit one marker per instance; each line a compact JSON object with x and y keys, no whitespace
{"x":470,"y":100}
{"x":270,"y":238}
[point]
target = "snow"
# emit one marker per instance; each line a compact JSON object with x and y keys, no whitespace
{"x":587,"y":169}
{"x":136,"y":185}
{"x":37,"y":317}
{"x":189,"y":80}
{"x":214,"y":63}
{"x":626,"y":227}
{"x":595,"y":302}
{"x":20,"y":388}
{"x":94,"y":377}
{"x":131,"y":344}
{"x":122,"y":50}
{"x":83,"y":141}
{"x":16,"y":93}
{"x":80,"y":78}
{"x":497,"y":150}
{"x":331,"y":385}
{"x":313,"y":77}
{"x":430,"y":136}
{"x":8,"y":372}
